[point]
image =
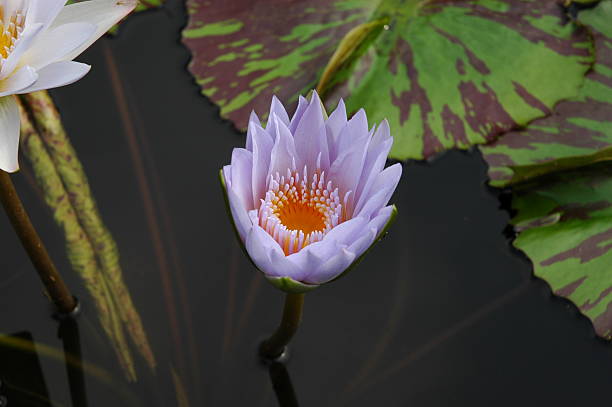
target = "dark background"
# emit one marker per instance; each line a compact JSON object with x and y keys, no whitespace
{"x":443,"y":312}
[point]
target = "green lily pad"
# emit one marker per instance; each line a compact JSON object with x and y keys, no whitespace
{"x":446,"y":74}
{"x":578,"y":133}
{"x":451,"y":74}
{"x":565,"y":228}
{"x":245,"y":51}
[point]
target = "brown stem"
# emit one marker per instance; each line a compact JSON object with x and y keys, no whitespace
{"x":35,"y":248}
{"x":274,"y":346}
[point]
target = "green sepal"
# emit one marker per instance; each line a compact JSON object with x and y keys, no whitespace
{"x":289,"y":285}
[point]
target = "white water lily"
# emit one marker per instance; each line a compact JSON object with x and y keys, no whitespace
{"x":38,"y":41}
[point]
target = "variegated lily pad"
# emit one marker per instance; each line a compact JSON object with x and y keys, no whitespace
{"x":446,"y":73}
{"x":245,"y":51}
{"x":457,"y":73}
{"x":565,"y":227}
{"x":578,"y":133}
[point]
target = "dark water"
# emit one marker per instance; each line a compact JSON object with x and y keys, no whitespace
{"x":442,"y":313}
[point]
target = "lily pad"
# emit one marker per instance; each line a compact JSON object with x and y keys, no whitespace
{"x":457,"y":73}
{"x":245,"y":51}
{"x":445,"y":73}
{"x":578,"y":133}
{"x":565,"y":228}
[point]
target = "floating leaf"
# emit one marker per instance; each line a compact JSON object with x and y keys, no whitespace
{"x":580,"y":130}
{"x":246,"y":51}
{"x":456,"y":73}
{"x":446,"y":74}
{"x":565,"y":227}
{"x":91,"y":249}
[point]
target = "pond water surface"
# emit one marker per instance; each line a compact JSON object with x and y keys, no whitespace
{"x":443,"y":312}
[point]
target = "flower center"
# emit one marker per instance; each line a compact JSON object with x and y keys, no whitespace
{"x":298,"y":210}
{"x":10,"y":31}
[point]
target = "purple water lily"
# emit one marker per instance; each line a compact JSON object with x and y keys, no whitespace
{"x":308,"y":195}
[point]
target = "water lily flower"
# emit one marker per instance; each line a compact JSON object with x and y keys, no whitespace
{"x":308,"y":195}
{"x":38,"y":41}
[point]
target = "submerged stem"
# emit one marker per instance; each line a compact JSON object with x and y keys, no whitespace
{"x":56,"y":288}
{"x":274,"y":346}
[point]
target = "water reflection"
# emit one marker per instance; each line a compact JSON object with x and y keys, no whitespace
{"x":68,"y":332}
{"x":21,"y":376}
{"x":283,"y":388}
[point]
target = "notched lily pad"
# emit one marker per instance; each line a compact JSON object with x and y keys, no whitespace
{"x":565,"y":228}
{"x":578,"y":133}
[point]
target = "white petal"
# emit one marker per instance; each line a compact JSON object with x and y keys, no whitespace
{"x":255,"y":120}
{"x":373,"y":229}
{"x":262,"y":146}
{"x":242,"y":166}
{"x":346,"y":232}
{"x":9,"y":134}
{"x":276,"y":108}
{"x":310,"y":136}
{"x":299,"y":112}
{"x":101,"y":13}
{"x":55,"y":44}
{"x":332,"y":268}
{"x":343,"y":235}
{"x":283,"y":151}
{"x":364,"y":242}
{"x":383,"y":133}
{"x":268,"y":255}
{"x":27,"y":37}
{"x":355,"y":134}
{"x":374,"y":163}
{"x":43,"y":11}
{"x":58,"y":74}
{"x":346,"y":172}
{"x":353,"y":145}
{"x":381,"y":191}
{"x":20,"y":79}
{"x":334,"y":125}
{"x":239,"y":214}
{"x":381,"y":218}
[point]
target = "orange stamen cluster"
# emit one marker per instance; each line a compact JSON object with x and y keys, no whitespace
{"x":298,"y":211}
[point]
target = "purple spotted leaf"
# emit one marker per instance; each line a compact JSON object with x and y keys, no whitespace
{"x":245,"y":51}
{"x":565,"y":227}
{"x":446,"y":74}
{"x":577,"y":133}
{"x":457,"y":73}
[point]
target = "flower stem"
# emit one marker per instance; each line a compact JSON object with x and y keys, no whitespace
{"x":54,"y":284}
{"x":274,"y":346}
